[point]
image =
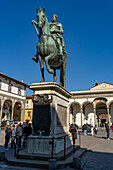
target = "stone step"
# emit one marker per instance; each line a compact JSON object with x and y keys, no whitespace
{"x":60,"y":156}
{"x":13,"y":161}
{"x":85,"y":158}
{"x":77,"y":158}
{"x":69,"y":161}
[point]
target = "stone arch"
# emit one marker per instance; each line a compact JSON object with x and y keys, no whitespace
{"x":72,"y":103}
{"x":110,"y":102}
{"x":7,"y":109}
{"x":101,"y":113}
{"x":88,"y":113}
{"x":75,"y":113}
{"x":102,"y":99}
{"x":17,"y":111}
{"x":101,"y":110}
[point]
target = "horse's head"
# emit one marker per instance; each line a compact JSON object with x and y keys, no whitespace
{"x":41,"y":17}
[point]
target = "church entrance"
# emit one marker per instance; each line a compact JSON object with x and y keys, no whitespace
{"x":17,"y":112}
{"x":101,"y":112}
{"x":102,"y":117}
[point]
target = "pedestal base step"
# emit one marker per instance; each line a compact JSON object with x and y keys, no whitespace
{"x":45,"y":157}
{"x":12,"y":160}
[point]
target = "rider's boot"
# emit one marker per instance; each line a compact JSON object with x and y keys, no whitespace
{"x":35,"y":58}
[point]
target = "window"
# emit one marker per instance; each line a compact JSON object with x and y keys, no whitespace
{"x":9,"y":89}
{"x":29,"y":114}
{"x":19,"y":90}
{"x":10,"y":86}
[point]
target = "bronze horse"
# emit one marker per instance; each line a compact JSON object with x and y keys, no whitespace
{"x":47,"y":49}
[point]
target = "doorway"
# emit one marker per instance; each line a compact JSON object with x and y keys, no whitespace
{"x":17,"y":112}
{"x":103,"y":122}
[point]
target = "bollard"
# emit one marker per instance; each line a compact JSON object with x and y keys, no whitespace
{"x":52,"y":164}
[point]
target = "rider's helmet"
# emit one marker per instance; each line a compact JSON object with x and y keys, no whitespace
{"x":54,"y":18}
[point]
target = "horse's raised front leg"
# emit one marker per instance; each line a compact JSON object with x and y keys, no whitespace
{"x":41,"y":68}
{"x":51,"y":71}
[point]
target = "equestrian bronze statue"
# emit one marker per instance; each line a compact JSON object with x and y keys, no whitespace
{"x":51,"y":47}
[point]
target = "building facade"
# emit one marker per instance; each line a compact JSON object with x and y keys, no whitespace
{"x":28,"y":109}
{"x":12,"y":99}
{"x":94,"y":106}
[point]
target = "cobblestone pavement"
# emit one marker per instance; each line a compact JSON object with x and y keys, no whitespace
{"x":101,"y":157}
{"x":99,"y":143}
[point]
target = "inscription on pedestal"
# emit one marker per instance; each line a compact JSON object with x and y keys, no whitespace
{"x":41,"y":115}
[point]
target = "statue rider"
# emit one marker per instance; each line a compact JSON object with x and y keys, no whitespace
{"x":56,"y":30}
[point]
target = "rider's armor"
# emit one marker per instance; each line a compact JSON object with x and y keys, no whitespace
{"x":56,"y":31}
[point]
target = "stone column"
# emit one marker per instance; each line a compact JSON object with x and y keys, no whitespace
{"x":22,"y":111}
{"x":95,"y":120}
{"x":81,"y":109}
{"x":108,"y":113}
{"x":12,"y":110}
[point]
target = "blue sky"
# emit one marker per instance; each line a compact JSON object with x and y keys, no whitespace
{"x":88,"y":35}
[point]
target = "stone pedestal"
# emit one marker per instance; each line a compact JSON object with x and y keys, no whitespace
{"x":50,"y":119}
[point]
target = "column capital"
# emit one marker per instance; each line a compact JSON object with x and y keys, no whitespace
{"x":107,"y":107}
{"x":81,"y":107}
{"x":94,"y":107}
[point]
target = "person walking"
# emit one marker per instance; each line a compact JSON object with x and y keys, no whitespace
{"x":13,"y":136}
{"x":29,"y":129}
{"x":95,"y":129}
{"x":19,"y":131}
{"x":85,"y":129}
{"x":107,"y":130}
{"x":74,"y":133}
{"x":7,"y":136}
{"x":25,"y":134}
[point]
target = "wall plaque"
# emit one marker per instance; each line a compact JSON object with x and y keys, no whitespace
{"x":41,"y":115}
